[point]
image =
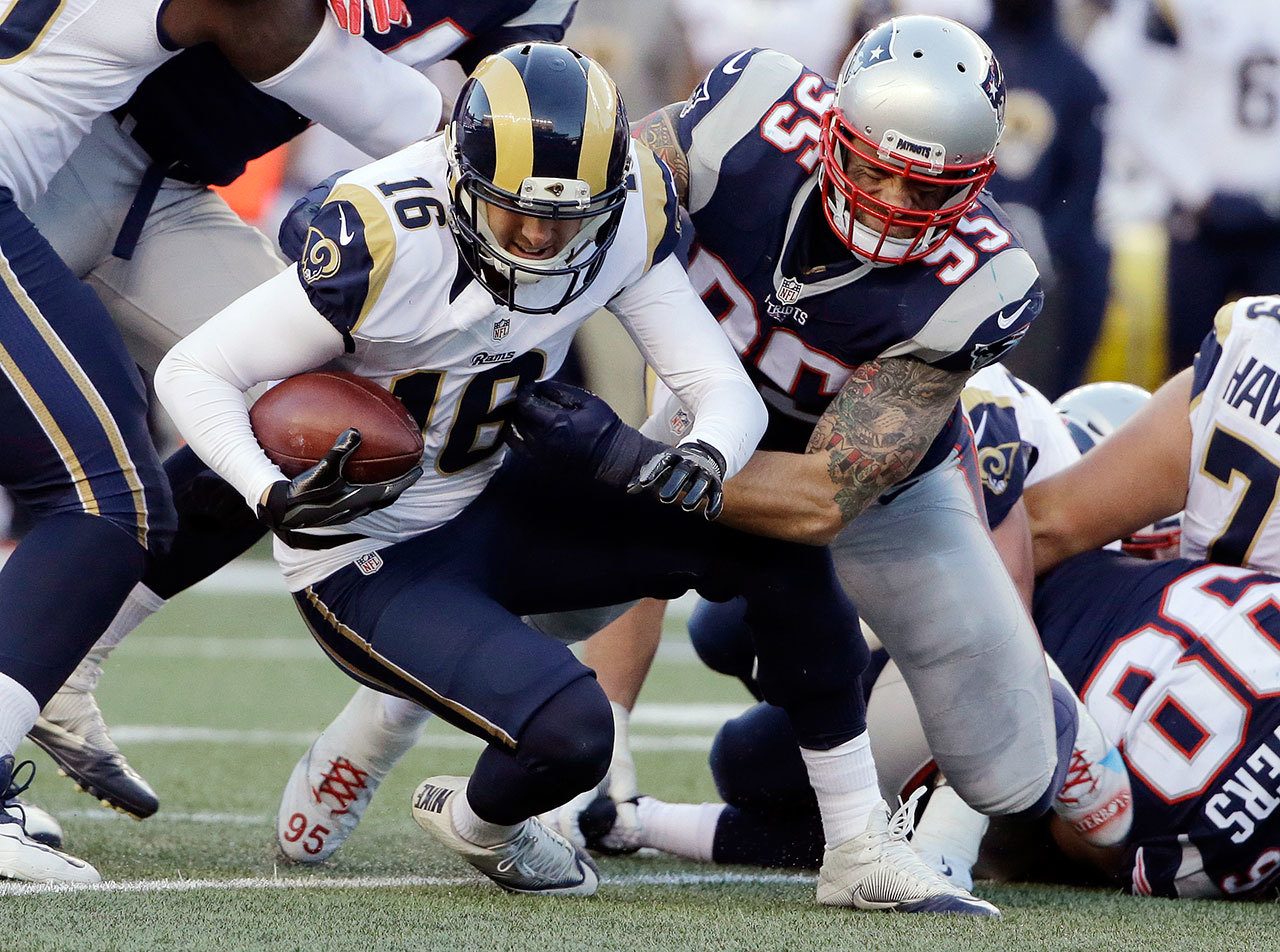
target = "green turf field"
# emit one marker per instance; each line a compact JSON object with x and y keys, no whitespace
{"x":214,"y":701}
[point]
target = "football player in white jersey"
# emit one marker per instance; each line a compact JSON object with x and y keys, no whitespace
{"x":76,"y":447}
{"x":554,"y":212}
{"x":1207,"y":443}
{"x":131,"y":212}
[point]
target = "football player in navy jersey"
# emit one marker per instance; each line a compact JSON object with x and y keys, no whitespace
{"x":164,"y":253}
{"x":845,"y":242}
{"x":1176,"y":660}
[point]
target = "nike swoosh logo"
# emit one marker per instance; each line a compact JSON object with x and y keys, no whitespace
{"x":344,"y":236}
{"x":1003,"y":322}
{"x":730,"y":67}
{"x":982,"y":428}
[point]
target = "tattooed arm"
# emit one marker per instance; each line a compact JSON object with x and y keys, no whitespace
{"x":658,"y":131}
{"x":874,"y":433}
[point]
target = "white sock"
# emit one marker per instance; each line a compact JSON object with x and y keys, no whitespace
{"x":140,"y":605}
{"x":475,"y":830}
{"x":844,"y":778}
{"x":950,"y":827}
{"x":681,"y":829}
{"x":18,"y":712}
{"x":362,"y":729}
{"x":401,"y":715}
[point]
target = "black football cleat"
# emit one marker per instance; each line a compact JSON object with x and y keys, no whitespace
{"x":72,"y":732}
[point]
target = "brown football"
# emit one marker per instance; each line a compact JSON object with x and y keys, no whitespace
{"x":297,"y":420}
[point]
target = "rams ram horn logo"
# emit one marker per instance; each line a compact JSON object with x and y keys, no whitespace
{"x":556,"y":189}
{"x":321,"y":259}
{"x":995,"y":463}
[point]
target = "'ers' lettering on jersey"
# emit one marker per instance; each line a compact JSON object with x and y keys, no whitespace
{"x":381,"y":266}
{"x":1235,"y":439}
{"x":750,"y":131}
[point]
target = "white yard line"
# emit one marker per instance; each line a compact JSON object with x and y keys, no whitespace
{"x":164,"y":734}
{"x":386,"y":882}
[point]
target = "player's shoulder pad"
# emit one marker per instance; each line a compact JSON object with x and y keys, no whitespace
{"x":1005,"y":457}
{"x":657,"y":192}
{"x":982,"y":318}
{"x":1234,"y":328}
{"x":728,"y":105}
{"x":375,"y":236}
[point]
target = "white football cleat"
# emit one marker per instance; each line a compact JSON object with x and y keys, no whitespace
{"x":334,"y":782}
{"x":878,"y":870}
{"x":1096,"y":798}
{"x":39,"y":824}
{"x":21,"y":857}
{"x":536,"y":860}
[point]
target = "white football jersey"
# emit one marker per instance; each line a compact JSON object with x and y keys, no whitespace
{"x":63,"y":64}
{"x":1234,"y":476}
{"x":382,"y":267}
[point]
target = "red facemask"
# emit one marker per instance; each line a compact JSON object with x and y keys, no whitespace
{"x":925,"y":231}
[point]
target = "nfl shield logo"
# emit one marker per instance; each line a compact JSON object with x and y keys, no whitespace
{"x":501,"y":328}
{"x":789,"y":291}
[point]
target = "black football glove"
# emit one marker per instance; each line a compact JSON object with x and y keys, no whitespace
{"x":691,"y":474}
{"x":321,"y":496}
{"x":568,"y":429}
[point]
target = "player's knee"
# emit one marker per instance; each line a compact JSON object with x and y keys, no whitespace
{"x":570,"y":736}
{"x":755,"y":761}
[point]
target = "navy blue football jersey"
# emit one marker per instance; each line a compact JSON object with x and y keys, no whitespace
{"x":800,"y":309}
{"x":203,"y":121}
{"x":1179,"y":662}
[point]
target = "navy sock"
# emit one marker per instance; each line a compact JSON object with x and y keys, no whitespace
{"x":769,"y":839}
{"x":58,"y":592}
{"x":215,"y":526}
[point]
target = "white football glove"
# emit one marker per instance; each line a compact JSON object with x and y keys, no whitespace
{"x":607,"y":831}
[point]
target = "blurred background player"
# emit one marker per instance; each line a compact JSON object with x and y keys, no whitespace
{"x":1196,"y":91}
{"x":164,"y":253}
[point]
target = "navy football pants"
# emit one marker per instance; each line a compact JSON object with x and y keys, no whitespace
{"x":75,"y":450}
{"x":439,"y":621}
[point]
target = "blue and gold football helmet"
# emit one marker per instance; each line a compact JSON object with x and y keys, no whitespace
{"x":540,"y":130}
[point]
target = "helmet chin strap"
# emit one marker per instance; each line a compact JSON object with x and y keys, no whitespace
{"x":867,"y":241}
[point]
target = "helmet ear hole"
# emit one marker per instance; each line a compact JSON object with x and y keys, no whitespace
{"x":960,"y":66}
{"x":918,"y":54}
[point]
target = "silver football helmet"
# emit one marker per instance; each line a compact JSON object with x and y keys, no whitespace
{"x":1092,"y":413}
{"x":921,"y":97}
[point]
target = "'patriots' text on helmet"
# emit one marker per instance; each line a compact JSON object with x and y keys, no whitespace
{"x":920,"y":98}
{"x":1092,"y":413}
{"x":539,"y":130}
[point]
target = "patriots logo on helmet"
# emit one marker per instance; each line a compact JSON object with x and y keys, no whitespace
{"x":875,"y":48}
{"x":994,"y":87}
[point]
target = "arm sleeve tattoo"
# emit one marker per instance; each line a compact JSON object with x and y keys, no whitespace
{"x":658,"y":131}
{"x":878,"y":428}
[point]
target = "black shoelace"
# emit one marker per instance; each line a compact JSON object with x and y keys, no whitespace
{"x":15,"y":789}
